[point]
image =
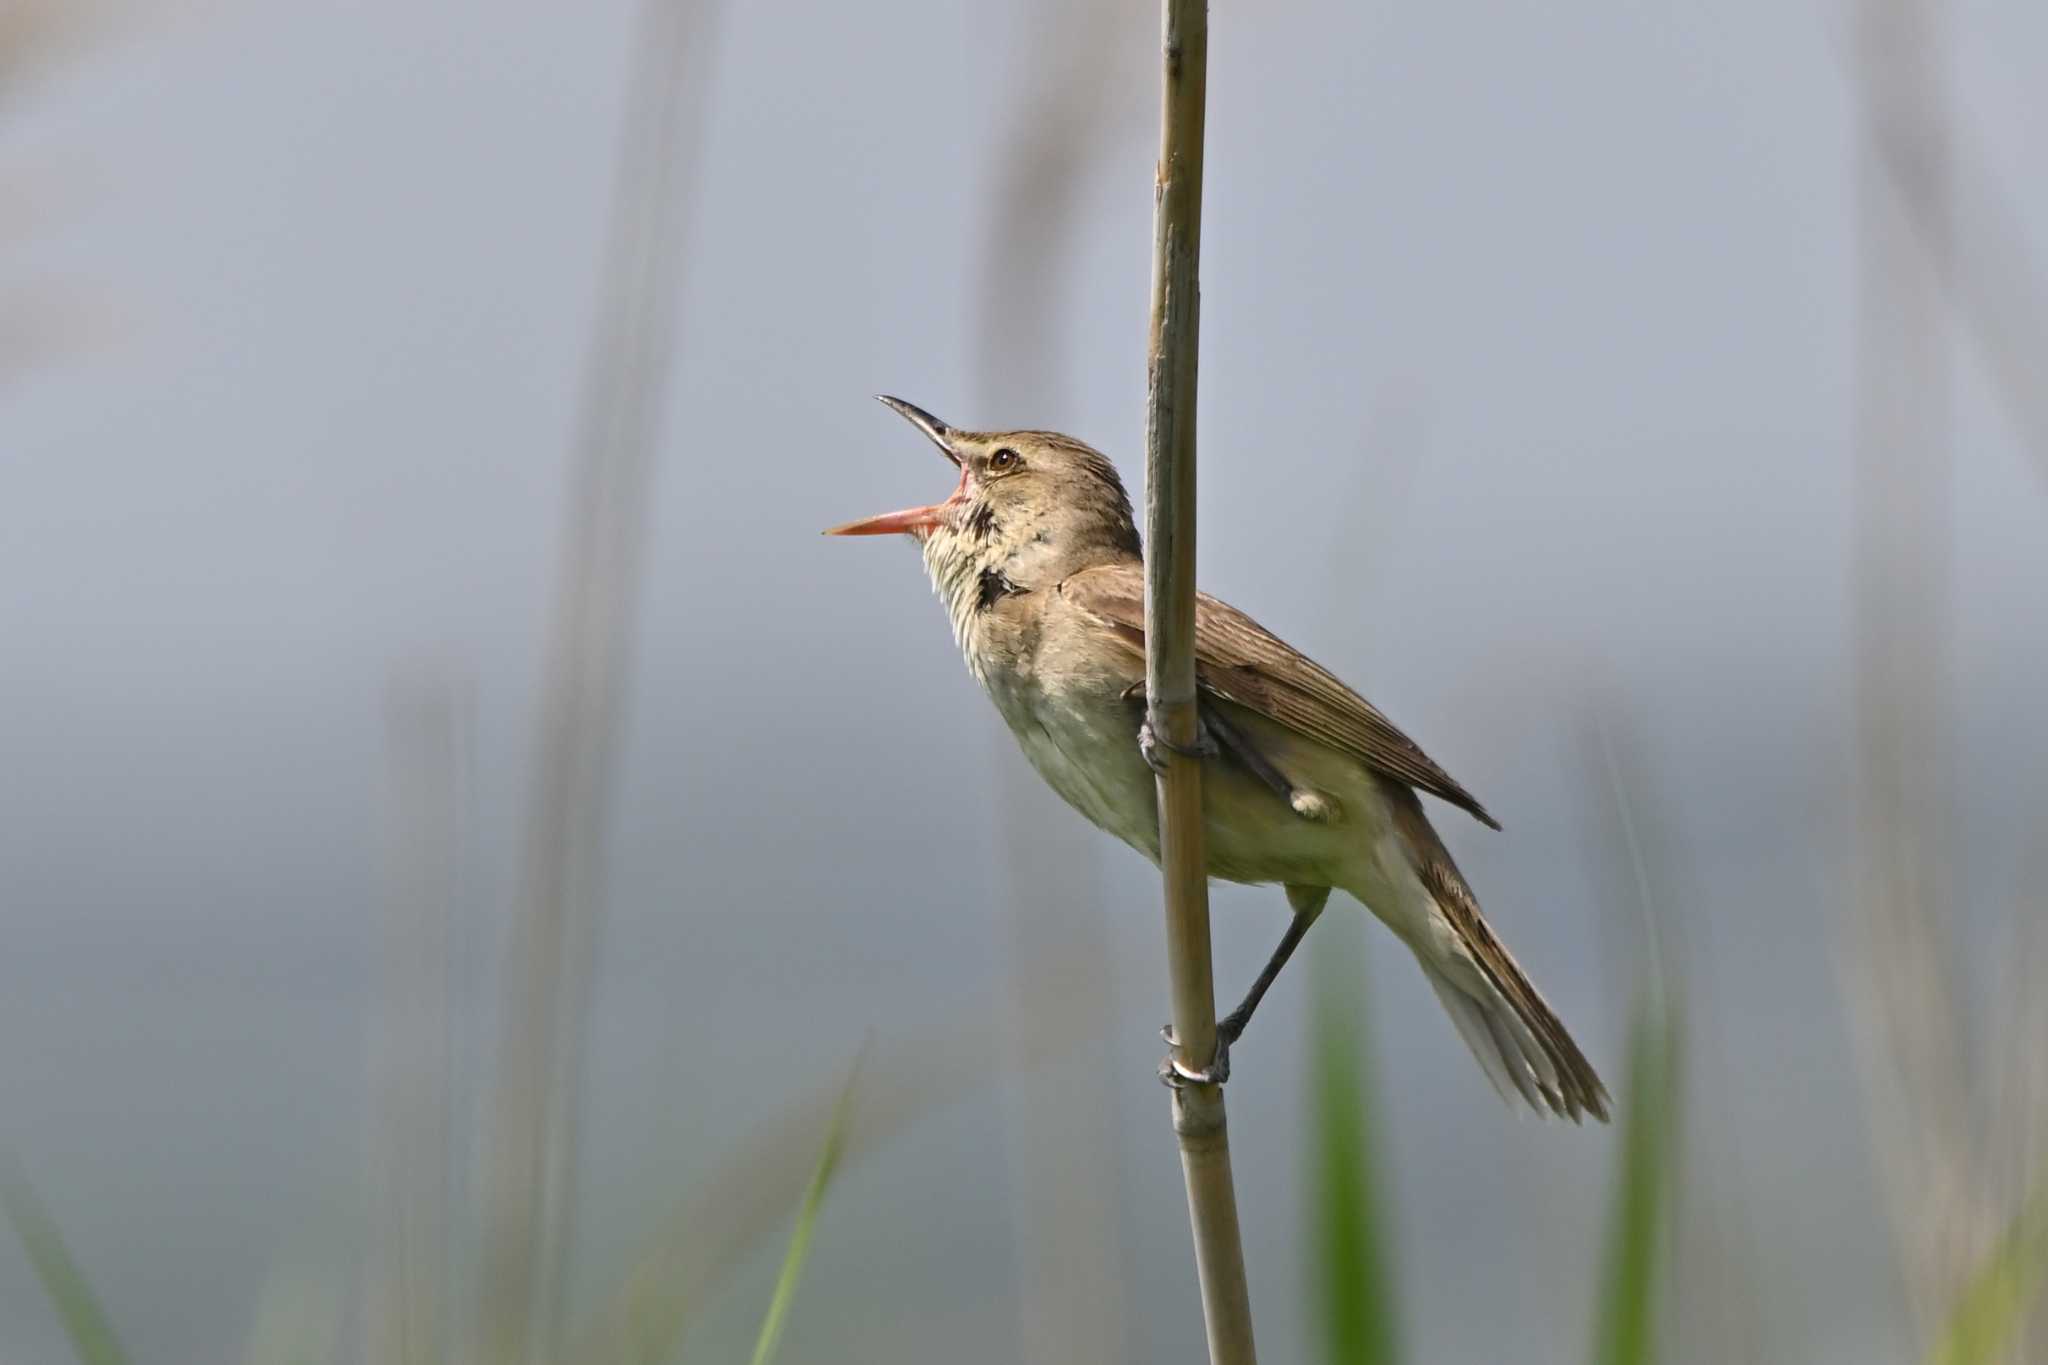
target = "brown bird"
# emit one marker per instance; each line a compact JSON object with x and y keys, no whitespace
{"x":1036,"y":558}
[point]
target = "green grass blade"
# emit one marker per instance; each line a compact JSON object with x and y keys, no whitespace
{"x":1989,"y":1311}
{"x":1353,"y":1269}
{"x":705,"y":1238}
{"x":777,"y":1316}
{"x":1626,"y":1330}
{"x":85,"y":1322}
{"x":298,"y":1318}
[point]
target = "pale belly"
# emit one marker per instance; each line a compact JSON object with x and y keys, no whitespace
{"x":1088,"y":752}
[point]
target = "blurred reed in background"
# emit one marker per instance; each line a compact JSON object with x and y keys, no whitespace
{"x":39,"y":320}
{"x":1064,"y":1196}
{"x":1956,"y":1123}
{"x":531,"y":1155}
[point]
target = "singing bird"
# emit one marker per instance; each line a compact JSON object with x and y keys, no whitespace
{"x":1305,"y":784}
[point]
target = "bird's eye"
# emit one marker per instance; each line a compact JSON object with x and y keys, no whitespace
{"x":1003,"y":460}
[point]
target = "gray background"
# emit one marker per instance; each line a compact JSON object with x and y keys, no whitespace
{"x":1527,"y":389}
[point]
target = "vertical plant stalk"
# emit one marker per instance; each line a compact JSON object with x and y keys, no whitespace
{"x":1908,"y":1018}
{"x":1960,"y":219}
{"x":1626,"y":1329}
{"x":1961,"y":1117}
{"x":531,"y":1161}
{"x":1639,"y":1265}
{"x":427,"y":725}
{"x":1353,"y":1284}
{"x":1198,"y":1114}
{"x":1064,"y":1220}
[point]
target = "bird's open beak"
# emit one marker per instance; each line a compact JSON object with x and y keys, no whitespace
{"x":939,"y":433}
{"x":915,"y":521}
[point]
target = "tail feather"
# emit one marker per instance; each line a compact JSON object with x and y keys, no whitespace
{"x":1569,"y":1082}
{"x":1506,"y":1022}
{"x":1515,"y":1058}
{"x":1484,"y":1041}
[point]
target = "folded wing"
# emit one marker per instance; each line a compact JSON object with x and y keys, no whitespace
{"x":1240,"y":661}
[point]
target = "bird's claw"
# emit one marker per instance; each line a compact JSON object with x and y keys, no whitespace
{"x":1148,"y":749}
{"x":1173,"y":1074}
{"x":1154,"y":747}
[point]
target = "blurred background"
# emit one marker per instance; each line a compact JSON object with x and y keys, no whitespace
{"x":459,"y":822}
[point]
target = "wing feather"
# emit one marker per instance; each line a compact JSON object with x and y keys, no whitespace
{"x":1240,"y":661}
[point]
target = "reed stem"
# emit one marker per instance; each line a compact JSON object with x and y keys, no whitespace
{"x":1198,"y":1113}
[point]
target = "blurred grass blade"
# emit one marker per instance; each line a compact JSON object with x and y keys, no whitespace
{"x":85,"y":1322}
{"x":1992,"y":1306}
{"x":1626,"y":1329}
{"x":644,"y":1320}
{"x":806,"y":1222}
{"x":1353,"y":1281}
{"x":298,"y":1319}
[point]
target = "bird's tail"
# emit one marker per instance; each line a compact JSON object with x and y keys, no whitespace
{"x":1524,"y":1050}
{"x":1520,"y":1042}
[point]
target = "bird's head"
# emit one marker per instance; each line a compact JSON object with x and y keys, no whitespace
{"x":1028,"y":503}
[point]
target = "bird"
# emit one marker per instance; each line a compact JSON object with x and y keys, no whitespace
{"x":1037,"y":560}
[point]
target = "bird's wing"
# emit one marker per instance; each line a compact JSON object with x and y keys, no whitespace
{"x":1240,"y":661}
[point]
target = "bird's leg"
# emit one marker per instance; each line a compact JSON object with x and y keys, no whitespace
{"x":1260,"y":766}
{"x":1306,"y":802}
{"x":1150,"y":742}
{"x":1308,"y":902}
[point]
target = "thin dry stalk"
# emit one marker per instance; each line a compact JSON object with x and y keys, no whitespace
{"x":1972,"y":240}
{"x":1063,"y":1195}
{"x":531,"y":1160}
{"x":427,"y":722}
{"x":1959,"y":1128}
{"x":1198,"y":1113}
{"x":1911,"y":1023}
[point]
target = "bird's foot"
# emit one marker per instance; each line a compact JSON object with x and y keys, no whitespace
{"x":1173,"y":1074}
{"x":1154,"y":746}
